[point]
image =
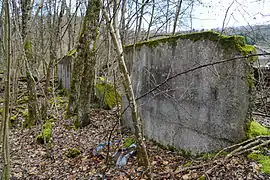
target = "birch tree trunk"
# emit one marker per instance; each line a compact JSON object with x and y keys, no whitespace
{"x":5,"y":121}
{"x":123,"y":22}
{"x":141,"y":148}
{"x":151,"y":20}
{"x":140,"y":20}
{"x":178,"y":8}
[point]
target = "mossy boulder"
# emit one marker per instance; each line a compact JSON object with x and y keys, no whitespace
{"x":46,"y":133}
{"x":73,"y":152}
{"x":256,"y":129}
{"x":263,"y":160}
{"x":107,"y":95}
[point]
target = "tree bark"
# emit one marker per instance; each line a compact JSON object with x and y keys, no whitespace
{"x":87,"y":51}
{"x":5,"y":121}
{"x":151,"y":20}
{"x":141,"y":148}
{"x":178,"y":8}
{"x":83,"y":76}
{"x":29,"y":62}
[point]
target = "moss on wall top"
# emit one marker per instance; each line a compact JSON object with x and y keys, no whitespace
{"x":226,"y":42}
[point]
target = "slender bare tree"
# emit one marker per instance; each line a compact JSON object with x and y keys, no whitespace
{"x":5,"y":122}
{"x":178,"y":8}
{"x":141,"y":148}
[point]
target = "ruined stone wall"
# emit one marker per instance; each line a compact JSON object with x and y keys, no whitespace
{"x":203,"y":110}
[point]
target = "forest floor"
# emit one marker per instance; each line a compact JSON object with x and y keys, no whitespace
{"x":32,"y":160}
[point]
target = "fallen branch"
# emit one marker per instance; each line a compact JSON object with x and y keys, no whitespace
{"x":193,"y":167}
{"x":239,"y":145}
{"x":252,"y":148}
{"x":260,"y":114}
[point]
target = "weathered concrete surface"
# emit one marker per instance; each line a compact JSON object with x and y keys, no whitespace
{"x":64,"y":72}
{"x":201,"y":111}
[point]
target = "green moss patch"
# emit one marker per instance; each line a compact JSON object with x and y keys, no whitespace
{"x":46,"y":133}
{"x":256,"y":129}
{"x":62,"y":92}
{"x":207,"y":156}
{"x":76,"y":123}
{"x":13,"y":118}
{"x":25,"y":114}
{"x":263,"y":160}
{"x":72,"y":52}
{"x":226,"y":42}
{"x":73,"y":152}
{"x":58,"y":101}
{"x":23,"y":100}
{"x":108,"y":94}
{"x":128,"y":141}
{"x":2,"y":100}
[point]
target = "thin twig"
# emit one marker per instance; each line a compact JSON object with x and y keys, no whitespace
{"x":260,"y":114}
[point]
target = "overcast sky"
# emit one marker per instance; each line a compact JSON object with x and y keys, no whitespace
{"x":212,"y":13}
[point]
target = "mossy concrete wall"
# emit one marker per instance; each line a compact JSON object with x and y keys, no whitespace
{"x":64,"y":71}
{"x":203,"y":110}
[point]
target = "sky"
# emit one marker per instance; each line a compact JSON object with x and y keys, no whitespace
{"x":210,"y":13}
{"x":242,"y":12}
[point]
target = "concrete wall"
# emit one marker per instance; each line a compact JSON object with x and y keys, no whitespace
{"x":201,"y":111}
{"x":64,"y":72}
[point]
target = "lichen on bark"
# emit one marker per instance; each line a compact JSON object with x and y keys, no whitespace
{"x":82,"y":85}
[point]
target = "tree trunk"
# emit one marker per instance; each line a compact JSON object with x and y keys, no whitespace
{"x":178,"y":8}
{"x":151,"y":20}
{"x":5,"y":121}
{"x":87,"y":52}
{"x":123,"y":22}
{"x":140,"y":20}
{"x":141,"y":148}
{"x":29,"y":62}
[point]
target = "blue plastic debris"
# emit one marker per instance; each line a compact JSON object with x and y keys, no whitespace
{"x":122,"y":159}
{"x":101,"y":146}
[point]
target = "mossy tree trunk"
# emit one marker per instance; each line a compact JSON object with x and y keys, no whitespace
{"x":74,"y":86}
{"x":5,"y":122}
{"x":141,"y":148}
{"x":32,"y":97}
{"x":29,"y":62}
{"x":87,"y":52}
